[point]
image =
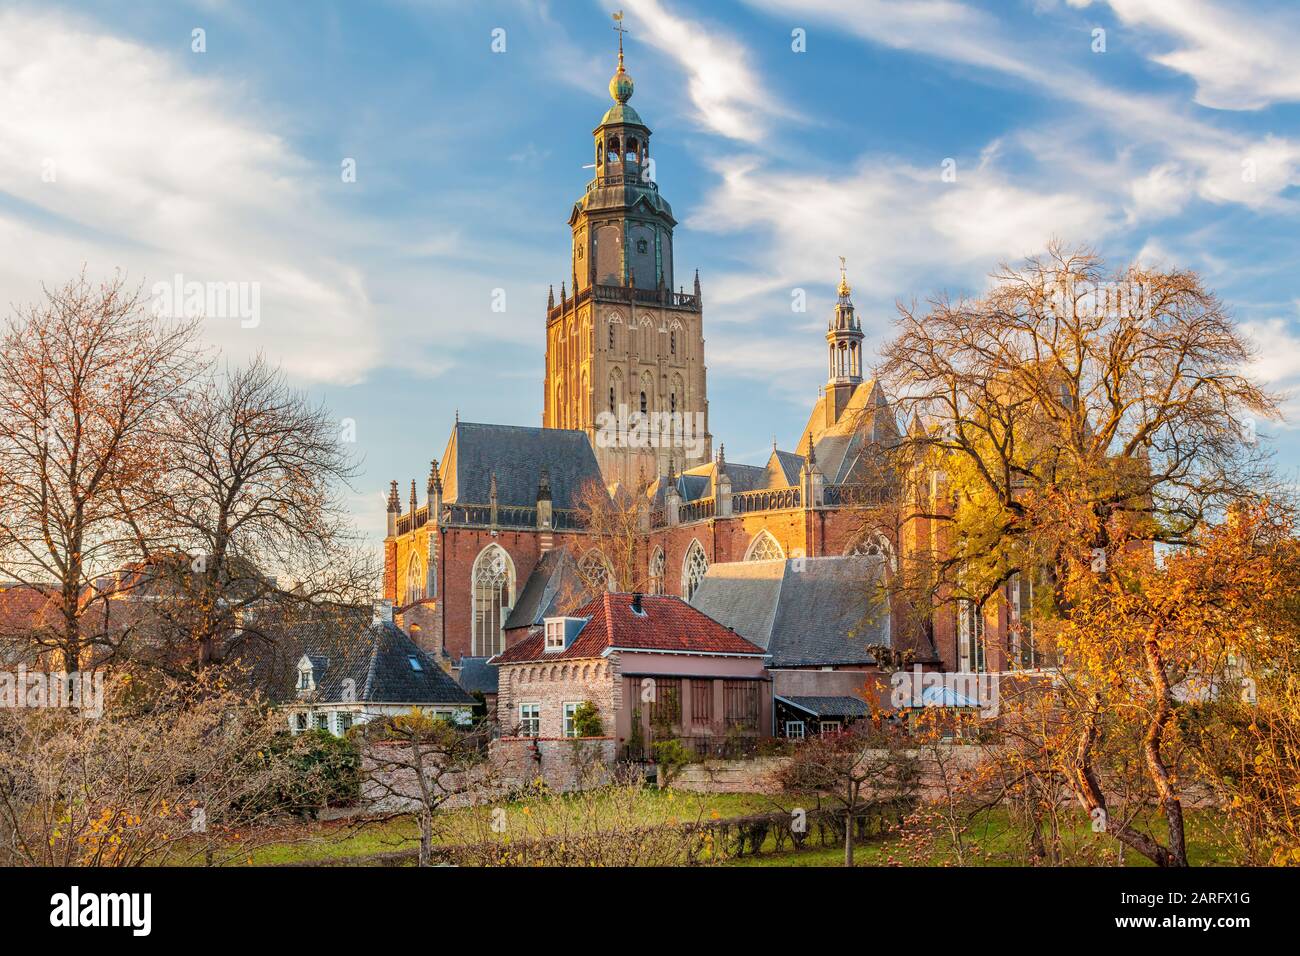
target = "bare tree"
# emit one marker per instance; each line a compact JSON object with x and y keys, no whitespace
{"x":866,"y":762}
{"x":255,"y":499}
{"x":614,"y":530}
{"x":169,"y":773}
{"x":414,"y":764}
{"x":88,"y":383}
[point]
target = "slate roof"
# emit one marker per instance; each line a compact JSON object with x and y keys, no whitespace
{"x":666,"y":624}
{"x":829,"y":706}
{"x":804,"y":611}
{"x":847,"y":449}
{"x":553,"y":583}
{"x":516,"y":454}
{"x":476,"y":675}
{"x":347,"y":644}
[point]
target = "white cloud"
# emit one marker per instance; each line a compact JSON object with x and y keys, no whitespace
{"x":118,"y":157}
{"x":894,"y":222}
{"x":1241,"y":58}
{"x":1211,"y":158}
{"x":729,"y":97}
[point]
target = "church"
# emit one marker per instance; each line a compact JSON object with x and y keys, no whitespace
{"x":483,"y":555}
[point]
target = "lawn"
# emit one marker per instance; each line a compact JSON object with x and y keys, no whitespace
{"x":997,"y":841}
{"x":993,"y":838}
{"x":342,"y":838}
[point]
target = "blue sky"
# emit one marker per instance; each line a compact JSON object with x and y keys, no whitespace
{"x":122,"y":147}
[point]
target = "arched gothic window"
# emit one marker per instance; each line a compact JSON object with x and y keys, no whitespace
{"x":873,"y":544}
{"x":643,"y":403}
{"x":694,"y":567}
{"x":415,"y":579}
{"x":493,"y":583}
{"x":657,"y":571}
{"x":595,"y":570}
{"x":764,"y":547}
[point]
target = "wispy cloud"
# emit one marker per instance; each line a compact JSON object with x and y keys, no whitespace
{"x":1242,"y":57}
{"x":729,"y":96}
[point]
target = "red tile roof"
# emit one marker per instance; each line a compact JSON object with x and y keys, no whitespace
{"x":665,"y":624}
{"x":24,"y":608}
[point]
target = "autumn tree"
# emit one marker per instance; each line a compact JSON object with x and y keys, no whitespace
{"x":89,"y":380}
{"x":1068,"y":421}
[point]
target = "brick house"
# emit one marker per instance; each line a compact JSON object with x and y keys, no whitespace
{"x":651,"y":664}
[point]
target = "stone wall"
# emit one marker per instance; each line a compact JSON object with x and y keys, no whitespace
{"x":563,"y":763}
{"x":760,"y":775}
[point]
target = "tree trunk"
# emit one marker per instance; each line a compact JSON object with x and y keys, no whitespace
{"x":1170,"y":803}
{"x":426,"y":837}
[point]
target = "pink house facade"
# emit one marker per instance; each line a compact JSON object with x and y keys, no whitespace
{"x":653,"y":667}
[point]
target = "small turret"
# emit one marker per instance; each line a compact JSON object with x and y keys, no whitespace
{"x":722,"y":484}
{"x":394,"y":508}
{"x":435,"y":492}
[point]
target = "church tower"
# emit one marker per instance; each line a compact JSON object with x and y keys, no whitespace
{"x":844,"y":345}
{"x":620,"y":342}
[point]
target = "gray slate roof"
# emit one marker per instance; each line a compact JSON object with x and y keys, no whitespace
{"x":805,"y":612}
{"x":476,"y":675}
{"x":554,"y":587}
{"x":347,"y":644}
{"x":516,"y":454}
{"x":828,"y":706}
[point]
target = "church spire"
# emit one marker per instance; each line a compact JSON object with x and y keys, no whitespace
{"x":844,"y":337}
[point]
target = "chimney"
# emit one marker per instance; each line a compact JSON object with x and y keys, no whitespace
{"x":383,"y":612}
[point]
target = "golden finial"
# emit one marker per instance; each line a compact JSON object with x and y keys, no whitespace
{"x":844,"y":282}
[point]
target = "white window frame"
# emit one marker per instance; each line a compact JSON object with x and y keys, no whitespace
{"x":534,"y":719}
{"x":568,"y":710}
{"x":830,"y":726}
{"x":554,"y":635}
{"x":972,"y":652}
{"x":792,"y":725}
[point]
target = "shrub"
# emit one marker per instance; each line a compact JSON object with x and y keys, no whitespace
{"x":672,"y":755}
{"x":586,"y":720}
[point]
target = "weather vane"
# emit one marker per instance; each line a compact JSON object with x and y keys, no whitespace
{"x":618,"y":25}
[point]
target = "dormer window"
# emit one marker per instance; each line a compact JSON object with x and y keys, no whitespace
{"x":555,"y":635}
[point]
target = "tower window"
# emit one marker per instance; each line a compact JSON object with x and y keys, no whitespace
{"x":672,"y":342}
{"x":611,"y":398}
{"x":643,"y":403}
{"x":642,"y":246}
{"x":673,"y":402}
{"x":611,"y":335}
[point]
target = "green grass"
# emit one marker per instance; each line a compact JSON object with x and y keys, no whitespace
{"x":339,"y":839}
{"x":999,"y":842}
{"x":994,"y":838}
